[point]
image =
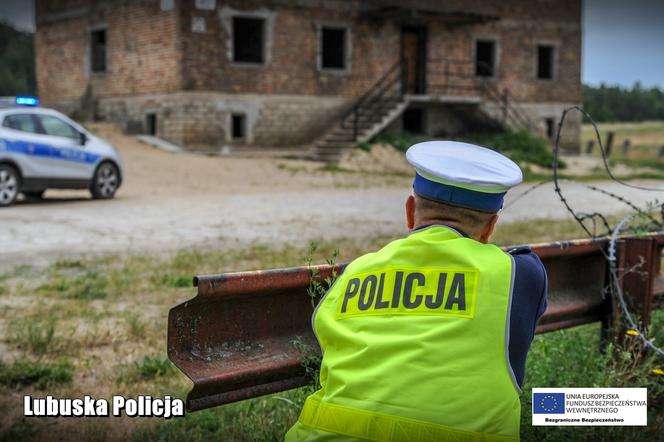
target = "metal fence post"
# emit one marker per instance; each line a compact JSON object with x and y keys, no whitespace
{"x":639,"y":265}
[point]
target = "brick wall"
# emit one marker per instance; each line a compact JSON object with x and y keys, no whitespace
{"x":155,"y":55}
{"x":202,"y":121}
{"x":142,"y":50}
{"x":291,"y":60}
{"x":291,"y":65}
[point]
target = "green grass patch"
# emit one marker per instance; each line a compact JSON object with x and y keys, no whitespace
{"x":36,"y":336}
{"x":521,"y":146}
{"x":86,"y":285}
{"x":399,"y":140}
{"x":151,"y":367}
{"x":21,"y":429}
{"x":40,"y":375}
{"x":261,"y":419}
{"x":135,"y":325}
{"x":571,"y":358}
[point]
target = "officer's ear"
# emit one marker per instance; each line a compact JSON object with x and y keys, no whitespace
{"x":488,"y":228}
{"x":410,"y":212}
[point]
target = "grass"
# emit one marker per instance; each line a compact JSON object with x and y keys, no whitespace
{"x":570,"y":358}
{"x":39,"y":374}
{"x":151,"y":367}
{"x":36,"y":336}
{"x":646,"y":139}
{"x":60,"y":335}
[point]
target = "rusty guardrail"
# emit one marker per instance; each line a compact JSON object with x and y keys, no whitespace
{"x":242,"y":335}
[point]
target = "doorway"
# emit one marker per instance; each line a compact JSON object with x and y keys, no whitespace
{"x":413,"y":57}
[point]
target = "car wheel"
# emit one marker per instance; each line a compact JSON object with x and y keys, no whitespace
{"x":105,"y":181}
{"x":34,"y":194}
{"x":9,"y":182}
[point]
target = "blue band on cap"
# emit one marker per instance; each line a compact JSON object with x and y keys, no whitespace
{"x":486,"y":202}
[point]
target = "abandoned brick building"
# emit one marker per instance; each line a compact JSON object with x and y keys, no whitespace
{"x":206,"y":74}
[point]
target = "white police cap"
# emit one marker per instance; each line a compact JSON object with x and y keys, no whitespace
{"x":462,"y":174}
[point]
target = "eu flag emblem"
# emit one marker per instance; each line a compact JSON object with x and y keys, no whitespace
{"x":548,"y":403}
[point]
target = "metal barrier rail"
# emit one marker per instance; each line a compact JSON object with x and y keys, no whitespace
{"x":242,"y":335}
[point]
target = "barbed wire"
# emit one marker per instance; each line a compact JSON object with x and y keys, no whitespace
{"x":580,"y":217}
{"x":616,"y":288}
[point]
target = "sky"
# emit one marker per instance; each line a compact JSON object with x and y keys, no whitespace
{"x":623,"y":41}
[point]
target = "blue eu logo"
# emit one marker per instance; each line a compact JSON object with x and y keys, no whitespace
{"x":548,"y":403}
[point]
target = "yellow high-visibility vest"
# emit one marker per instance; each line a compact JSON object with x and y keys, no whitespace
{"x":414,"y":341}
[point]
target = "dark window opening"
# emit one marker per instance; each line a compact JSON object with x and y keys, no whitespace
{"x":151,"y":124}
{"x":550,"y":127}
{"x":333,"y":48}
{"x":248,"y":40}
{"x":485,"y":58}
{"x":545,"y":62}
{"x":413,"y":121}
{"x":98,"y":50}
{"x":238,"y":129}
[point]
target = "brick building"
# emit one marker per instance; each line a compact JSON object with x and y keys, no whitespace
{"x":212,"y":73}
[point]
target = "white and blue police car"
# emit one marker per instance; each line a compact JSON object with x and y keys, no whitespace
{"x":41,"y":149}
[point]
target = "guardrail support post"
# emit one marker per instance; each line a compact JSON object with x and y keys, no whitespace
{"x":639,"y":265}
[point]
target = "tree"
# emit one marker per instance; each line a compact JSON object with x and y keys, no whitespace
{"x":17,"y":62}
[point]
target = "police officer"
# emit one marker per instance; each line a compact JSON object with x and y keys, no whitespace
{"x":426,"y":339}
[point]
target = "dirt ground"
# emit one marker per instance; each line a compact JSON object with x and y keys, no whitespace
{"x":171,"y":201}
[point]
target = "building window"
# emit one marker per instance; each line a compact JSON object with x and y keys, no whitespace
{"x":413,"y":121}
{"x":98,"y":50}
{"x":248,"y":40}
{"x":151,"y":124}
{"x":485,"y":58}
{"x":333,"y":48}
{"x":238,"y":126}
{"x":545,"y":54}
{"x":550,"y":127}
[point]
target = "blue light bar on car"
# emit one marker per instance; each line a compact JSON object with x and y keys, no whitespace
{"x":27,"y":101}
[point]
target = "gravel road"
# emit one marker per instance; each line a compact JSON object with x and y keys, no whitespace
{"x":38,"y":233}
{"x":172,"y":201}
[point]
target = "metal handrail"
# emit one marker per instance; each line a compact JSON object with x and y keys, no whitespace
{"x":481,"y":84}
{"x":456,"y":73}
{"x":371,"y":96}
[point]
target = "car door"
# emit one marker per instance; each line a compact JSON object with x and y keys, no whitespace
{"x":69,"y":158}
{"x":22,"y":139}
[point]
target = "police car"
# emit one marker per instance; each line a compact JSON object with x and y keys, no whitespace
{"x":42,"y":149}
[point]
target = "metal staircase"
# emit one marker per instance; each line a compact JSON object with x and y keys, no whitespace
{"x":451,"y":81}
{"x":370,"y":114}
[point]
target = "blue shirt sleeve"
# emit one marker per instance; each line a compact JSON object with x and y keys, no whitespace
{"x":528,"y":304}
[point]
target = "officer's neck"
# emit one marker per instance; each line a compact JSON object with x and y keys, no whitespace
{"x":459,"y":227}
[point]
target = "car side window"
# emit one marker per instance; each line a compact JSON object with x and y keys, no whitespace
{"x":22,"y":122}
{"x":56,"y":127}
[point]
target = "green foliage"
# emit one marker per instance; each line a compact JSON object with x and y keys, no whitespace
{"x":521,"y":146}
{"x":399,"y":140}
{"x":17,"y":62}
{"x":41,"y":375}
{"x":571,"y":358}
{"x":614,"y":103}
{"x":317,"y":287}
{"x":152,"y":367}
{"x":136,"y":326}
{"x":35,"y":336}
{"x":86,"y":285}
{"x":261,"y":419}
{"x":22,"y":429}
